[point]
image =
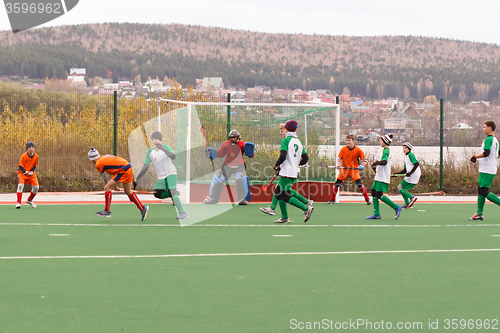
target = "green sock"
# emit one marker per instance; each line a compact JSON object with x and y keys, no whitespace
{"x":297,"y":195}
{"x":406,"y":195}
{"x":493,"y":198}
{"x":177,"y":203}
{"x":480,"y":204}
{"x":284,"y":212}
{"x":389,"y":202}
{"x":274,"y":203}
{"x":376,"y":206}
{"x":296,"y":202}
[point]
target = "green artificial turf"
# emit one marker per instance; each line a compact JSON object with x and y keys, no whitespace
{"x":248,"y":275}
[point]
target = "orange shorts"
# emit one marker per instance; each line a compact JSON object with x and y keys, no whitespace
{"x":125,"y":177}
{"x":346,"y":173}
{"x":27,"y":179}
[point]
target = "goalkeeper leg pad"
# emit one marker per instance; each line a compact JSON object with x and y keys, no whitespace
{"x":243,"y":189}
{"x":215,"y":191}
{"x":215,"y":181}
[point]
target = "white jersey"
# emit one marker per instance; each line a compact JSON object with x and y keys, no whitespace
{"x":295,"y":150}
{"x":383,"y":172}
{"x":489,"y":164}
{"x":410,"y":161}
{"x":162,"y":163}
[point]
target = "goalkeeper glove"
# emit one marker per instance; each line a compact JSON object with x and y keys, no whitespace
{"x":361,"y":167}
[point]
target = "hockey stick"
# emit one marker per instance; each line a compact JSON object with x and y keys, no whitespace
{"x":143,"y":192}
{"x":202,"y":129}
{"x":399,"y":175}
{"x":432,"y":193}
{"x":115,"y":192}
{"x":265,"y":187}
{"x":336,"y":167}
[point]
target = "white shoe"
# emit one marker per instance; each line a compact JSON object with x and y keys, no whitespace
{"x":268,"y":210}
{"x":310,"y":203}
{"x":31,"y":203}
{"x":18,"y":205}
{"x":209,"y":200}
{"x":308,"y":213}
{"x":282,"y":220}
{"x":182,"y":216}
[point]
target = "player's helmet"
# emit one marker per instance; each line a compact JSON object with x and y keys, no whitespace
{"x":30,"y":144}
{"x":234,"y":134}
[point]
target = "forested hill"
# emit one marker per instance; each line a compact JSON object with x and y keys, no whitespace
{"x":396,"y":66}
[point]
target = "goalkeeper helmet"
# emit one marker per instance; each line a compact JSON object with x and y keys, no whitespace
{"x":93,"y":154}
{"x":30,"y":144}
{"x":234,"y":134}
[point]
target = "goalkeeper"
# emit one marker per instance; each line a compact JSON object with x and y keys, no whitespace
{"x":348,"y":162}
{"x":488,"y":166}
{"x":162,"y":156}
{"x":234,"y":164}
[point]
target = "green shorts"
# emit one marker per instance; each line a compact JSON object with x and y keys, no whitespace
{"x":286,"y":183}
{"x":380,"y":187}
{"x":168,"y":183}
{"x":406,"y":185}
{"x":485,"y":180}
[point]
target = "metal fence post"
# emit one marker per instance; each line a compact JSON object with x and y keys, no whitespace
{"x":115,"y":122}
{"x":228,"y":114}
{"x":441,"y":143}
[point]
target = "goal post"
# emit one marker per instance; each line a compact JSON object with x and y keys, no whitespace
{"x":189,"y":127}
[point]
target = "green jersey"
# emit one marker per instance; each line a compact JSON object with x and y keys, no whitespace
{"x":162,"y":163}
{"x":489,"y":164}
{"x":295,"y":150}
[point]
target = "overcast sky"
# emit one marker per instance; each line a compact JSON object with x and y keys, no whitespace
{"x":476,"y":21}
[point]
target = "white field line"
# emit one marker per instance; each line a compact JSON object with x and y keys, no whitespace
{"x":247,"y":254}
{"x":256,"y":225}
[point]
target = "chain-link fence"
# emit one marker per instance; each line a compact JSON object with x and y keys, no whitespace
{"x":64,"y":125}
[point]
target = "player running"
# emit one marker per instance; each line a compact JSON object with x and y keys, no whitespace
{"x":234,"y":164}
{"x":162,"y":156}
{"x":121,"y":170}
{"x":26,"y":175}
{"x":349,"y":162}
{"x":412,"y":171}
{"x":383,"y":179}
{"x":271,"y":210}
{"x":292,"y":154}
{"x":488,"y":166}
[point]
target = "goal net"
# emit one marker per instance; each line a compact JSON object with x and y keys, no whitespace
{"x":190,"y":127}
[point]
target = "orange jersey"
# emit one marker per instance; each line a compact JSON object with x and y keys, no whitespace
{"x":115,"y":165}
{"x":28,"y":163}
{"x":350,"y":158}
